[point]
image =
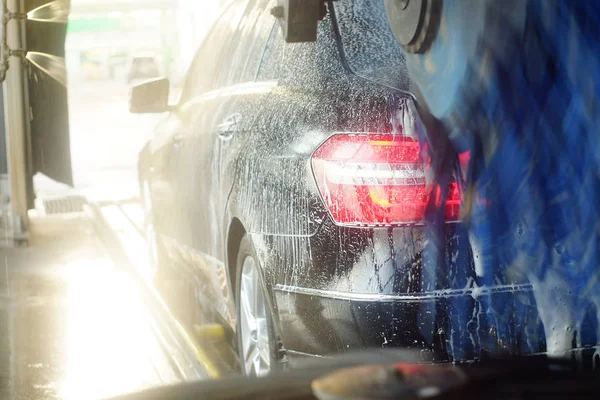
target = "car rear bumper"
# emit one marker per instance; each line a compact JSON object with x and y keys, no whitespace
{"x":457,"y":324}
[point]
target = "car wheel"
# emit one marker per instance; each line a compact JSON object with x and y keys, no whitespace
{"x":258,"y":346}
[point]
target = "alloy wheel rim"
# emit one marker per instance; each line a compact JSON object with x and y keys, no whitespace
{"x":256,"y":350}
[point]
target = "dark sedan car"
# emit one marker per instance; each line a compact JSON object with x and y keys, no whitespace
{"x":287,"y":188}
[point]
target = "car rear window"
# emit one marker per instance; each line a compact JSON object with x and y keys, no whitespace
{"x":369,"y":45}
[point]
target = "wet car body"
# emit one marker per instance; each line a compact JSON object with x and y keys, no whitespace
{"x":234,"y":159}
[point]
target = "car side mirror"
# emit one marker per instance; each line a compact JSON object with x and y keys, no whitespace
{"x":150,"y":97}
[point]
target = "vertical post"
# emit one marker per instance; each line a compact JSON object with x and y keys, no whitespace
{"x":15,"y":122}
{"x":26,"y":116}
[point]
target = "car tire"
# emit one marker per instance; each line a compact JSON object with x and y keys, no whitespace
{"x":260,"y":350}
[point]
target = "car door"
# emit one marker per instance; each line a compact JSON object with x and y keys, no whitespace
{"x":213,"y":119}
{"x":164,"y":151}
{"x":176,"y":154}
{"x":196,"y":168}
{"x":237,"y":130}
{"x":198,"y":111}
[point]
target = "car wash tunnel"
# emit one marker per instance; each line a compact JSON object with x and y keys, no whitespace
{"x":299,"y":199}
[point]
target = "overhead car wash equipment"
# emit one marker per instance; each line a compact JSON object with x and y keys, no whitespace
{"x":516,"y":84}
{"x":33,"y":72}
{"x":298,"y":18}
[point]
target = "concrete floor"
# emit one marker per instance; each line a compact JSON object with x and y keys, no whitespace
{"x":74,"y":325}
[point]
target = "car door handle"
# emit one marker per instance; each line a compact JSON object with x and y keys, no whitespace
{"x":227,"y":128}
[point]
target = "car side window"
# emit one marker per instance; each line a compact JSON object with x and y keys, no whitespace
{"x":206,"y":72}
{"x":250,"y":39}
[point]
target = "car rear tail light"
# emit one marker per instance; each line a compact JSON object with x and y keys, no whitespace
{"x":376,"y":179}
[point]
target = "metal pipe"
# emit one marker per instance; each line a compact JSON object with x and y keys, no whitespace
{"x":15,"y":120}
{"x":4,"y":50}
{"x":27,"y":115}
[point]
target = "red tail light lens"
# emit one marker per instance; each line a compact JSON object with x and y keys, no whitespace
{"x":375,"y":179}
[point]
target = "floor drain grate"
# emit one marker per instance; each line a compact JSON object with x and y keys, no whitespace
{"x":63,"y":204}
